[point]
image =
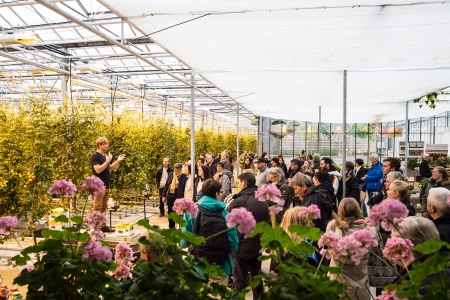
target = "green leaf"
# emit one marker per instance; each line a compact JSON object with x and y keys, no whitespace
{"x":277,"y":236}
{"x":144,"y":223}
{"x":304,"y":232}
{"x":61,"y":218}
{"x":177,"y":219}
{"x":302,"y":248}
{"x":261,"y":227}
{"x":54,"y":234}
{"x":430,"y":246}
{"x":78,"y":220}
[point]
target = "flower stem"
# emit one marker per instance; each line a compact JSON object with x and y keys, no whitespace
{"x":320,"y":263}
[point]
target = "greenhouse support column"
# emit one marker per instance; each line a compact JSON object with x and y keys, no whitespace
{"x":193,"y":129}
{"x":293,"y":141}
{"x":406,"y":139}
{"x":306,"y":133}
{"x":330,"y":140}
{"x":319,"y":130}
{"x":420,"y":130}
{"x":344,"y":126}
{"x":237,"y":141}
{"x":434,"y":129}
{"x":260,"y":136}
{"x":368,"y":142}
{"x":393,"y":143}
{"x":381,"y":142}
{"x":64,"y":85}
{"x":270,"y":124}
{"x":356,"y":125}
{"x":281,"y":137}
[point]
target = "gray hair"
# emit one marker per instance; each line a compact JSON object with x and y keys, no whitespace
{"x":395,"y":175}
{"x":374,"y":155}
{"x":301,"y":179}
{"x":276,"y":172}
{"x":417,"y":229}
{"x":249,"y":171}
{"x":426,"y":155}
{"x":437,"y":197}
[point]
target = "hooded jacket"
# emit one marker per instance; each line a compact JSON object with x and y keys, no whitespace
{"x":212,"y":204}
{"x":286,"y":196}
{"x":373,"y":177}
{"x":315,"y":195}
{"x":443,"y":227}
{"x":250,"y":247}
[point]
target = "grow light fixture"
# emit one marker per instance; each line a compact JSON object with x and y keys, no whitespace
{"x":132,"y":82}
{"x":23,"y":38}
{"x":91,"y":67}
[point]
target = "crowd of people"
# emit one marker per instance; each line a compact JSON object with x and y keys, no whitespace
{"x":306,"y":180}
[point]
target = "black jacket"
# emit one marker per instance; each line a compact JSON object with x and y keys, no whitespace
{"x":159,"y":174}
{"x":212,"y":169}
{"x":382,"y":194}
{"x":179,"y":192}
{"x":425,"y":171}
{"x":250,"y":247}
{"x":360,"y":174}
{"x":352,"y":187}
{"x":286,"y":195}
{"x":315,"y":195}
{"x":443,"y":227}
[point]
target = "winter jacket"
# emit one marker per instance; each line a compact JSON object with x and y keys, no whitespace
{"x":315,"y":195}
{"x":425,"y":171}
{"x":188,"y":191}
{"x":250,"y":247}
{"x":212,"y":204}
{"x":212,"y":169}
{"x":356,"y":277}
{"x":373,"y":177}
{"x":426,"y":189}
{"x":380,"y":196}
{"x":361,"y":173}
{"x":352,"y":187}
{"x":285,"y":170}
{"x":443,"y":227}
{"x":286,"y":196}
{"x":411,"y":209}
{"x":333,"y":172}
{"x":261,"y":177}
{"x":179,"y":192}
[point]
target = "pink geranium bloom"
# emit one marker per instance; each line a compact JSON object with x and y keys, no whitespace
{"x":268,"y":192}
{"x":184,"y":205}
{"x":63,"y":188}
{"x":29,"y":268}
{"x":122,"y":272}
{"x":274,"y":209}
{"x":93,"y":185}
{"x":95,"y":220}
{"x":242,"y":219}
{"x":311,"y":212}
{"x":389,"y":214}
{"x":399,"y":250}
{"x":94,"y":250}
{"x":389,"y":295}
{"x":330,"y":246}
{"x":448,"y":200}
{"x":123,"y":253}
{"x":7,"y":223}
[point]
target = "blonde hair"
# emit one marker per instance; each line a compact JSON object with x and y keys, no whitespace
{"x":401,"y":188}
{"x":417,"y":229}
{"x":100,"y":141}
{"x":276,"y":172}
{"x":349,"y":210}
{"x":291,"y":217}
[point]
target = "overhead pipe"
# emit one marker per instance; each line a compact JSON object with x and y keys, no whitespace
{"x":66,"y":15}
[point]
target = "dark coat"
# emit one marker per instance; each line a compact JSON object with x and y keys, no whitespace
{"x":425,"y":171}
{"x":159,"y":174}
{"x":250,"y":247}
{"x":426,"y":189}
{"x":286,"y":195}
{"x":443,"y":227}
{"x":212,"y":169}
{"x":352,"y":187}
{"x":380,"y":196}
{"x":179,"y":192}
{"x":360,"y":174}
{"x":313,"y":196}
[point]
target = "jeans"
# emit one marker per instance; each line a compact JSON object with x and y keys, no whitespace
{"x":241,"y":268}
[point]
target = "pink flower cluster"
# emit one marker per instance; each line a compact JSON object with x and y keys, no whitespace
{"x":242,"y":219}
{"x":448,"y":200}
{"x":356,"y":245}
{"x":388,"y":295}
{"x":95,"y":220}
{"x":184,"y":205}
{"x":94,"y":250}
{"x":389,"y":214}
{"x":63,"y":188}
{"x":29,"y":268}
{"x":399,"y":250}
{"x":268,"y":192}
{"x":7,"y":223}
{"x":93,"y":185}
{"x":123,"y":256}
{"x":309,"y":213}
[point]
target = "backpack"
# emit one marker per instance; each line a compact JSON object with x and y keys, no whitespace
{"x":217,"y":249}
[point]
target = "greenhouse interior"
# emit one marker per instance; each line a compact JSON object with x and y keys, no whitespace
{"x":224,"y":150}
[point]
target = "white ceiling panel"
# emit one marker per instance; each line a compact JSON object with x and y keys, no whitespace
{"x":284,"y":59}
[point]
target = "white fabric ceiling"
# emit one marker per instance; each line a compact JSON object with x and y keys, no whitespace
{"x":282,"y":59}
